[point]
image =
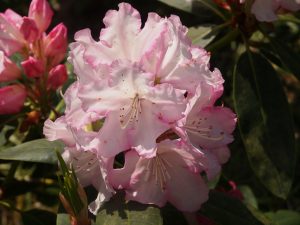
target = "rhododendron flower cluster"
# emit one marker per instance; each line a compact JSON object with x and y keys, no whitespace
{"x":40,"y":55}
{"x":146,"y":93}
{"x":266,"y":10}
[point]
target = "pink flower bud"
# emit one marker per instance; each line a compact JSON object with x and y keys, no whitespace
{"x":56,"y":44}
{"x":41,"y":12}
{"x":12,"y":99}
{"x":11,"y":39}
{"x":57,"y":76}
{"x":29,"y":29}
{"x":33,"y":67}
{"x":8,"y":70}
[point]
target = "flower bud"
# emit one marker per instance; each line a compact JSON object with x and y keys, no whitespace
{"x":8,"y":70}
{"x":12,"y":99}
{"x":33,"y":67}
{"x":57,"y":76}
{"x":29,"y":29}
{"x":41,"y":12}
{"x":56,"y":43}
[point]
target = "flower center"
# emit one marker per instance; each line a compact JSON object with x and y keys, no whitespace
{"x":157,"y":168}
{"x":131,"y":115}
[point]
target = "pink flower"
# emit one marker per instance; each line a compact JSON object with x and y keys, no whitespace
{"x":57,"y":76}
{"x":266,"y":10}
{"x":40,"y":11}
{"x":172,"y":175}
{"x":12,"y":99}
{"x":8,"y":70}
{"x":33,"y":67}
{"x":55,"y":43}
{"x":132,"y":104}
{"x":11,"y":38}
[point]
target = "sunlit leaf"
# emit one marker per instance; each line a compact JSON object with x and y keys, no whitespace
{"x":119,"y":212}
{"x":40,"y":150}
{"x":201,"y":35}
{"x":265,"y":123}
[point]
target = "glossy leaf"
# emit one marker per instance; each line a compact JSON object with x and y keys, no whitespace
{"x":119,"y":212}
{"x":288,"y":57}
{"x":227,"y":210}
{"x":40,"y":150}
{"x":265,"y":122}
{"x":201,"y":35}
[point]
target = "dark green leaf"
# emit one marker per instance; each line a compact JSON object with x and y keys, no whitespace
{"x":38,"y":217}
{"x":288,"y":57}
{"x":285,"y":217}
{"x":40,"y":150}
{"x":119,"y":212}
{"x":265,"y":123}
{"x":227,"y":210}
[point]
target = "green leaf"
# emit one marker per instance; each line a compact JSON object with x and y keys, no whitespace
{"x":288,"y":57}
{"x":285,"y":217}
{"x":265,"y":122}
{"x":40,"y":150}
{"x":63,"y":219}
{"x":38,"y":217}
{"x":201,"y":35}
{"x":119,"y":212}
{"x":183,"y":5}
{"x":227,"y":210}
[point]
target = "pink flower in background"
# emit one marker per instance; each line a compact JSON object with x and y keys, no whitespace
{"x":8,"y":70}
{"x":12,"y":98}
{"x":266,"y":10}
{"x":33,"y":67}
{"x":57,"y":76}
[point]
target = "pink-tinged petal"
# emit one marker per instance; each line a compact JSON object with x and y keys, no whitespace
{"x":57,"y":76}
{"x":168,"y":103}
{"x":144,"y":187}
{"x":120,"y":178}
{"x":8,"y":70}
{"x":212,"y":127}
{"x":112,"y":138}
{"x":222,"y":154}
{"x":56,"y":43}
{"x":186,"y":191}
{"x":145,"y":142}
{"x":41,"y":12}
{"x":117,"y":92}
{"x":33,"y":67}
{"x":58,"y":130}
{"x":13,"y":17}
{"x":74,"y":113}
{"x":120,"y":30}
{"x":11,"y":39}
{"x":85,"y":71}
{"x":12,"y":99}
{"x":264,"y":10}
{"x":291,"y":5}
{"x":29,"y":29}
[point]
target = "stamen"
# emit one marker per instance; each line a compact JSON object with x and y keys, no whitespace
{"x":204,"y":132}
{"x":132,"y":114}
